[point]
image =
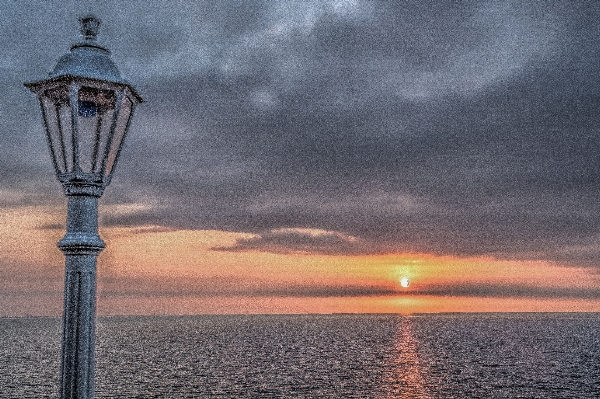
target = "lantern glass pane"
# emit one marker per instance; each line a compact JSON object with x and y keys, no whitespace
{"x":59,"y":127}
{"x":102,"y":139}
{"x":55,"y":141}
{"x":95,"y":110}
{"x":66,"y":129}
{"x":119,"y":134}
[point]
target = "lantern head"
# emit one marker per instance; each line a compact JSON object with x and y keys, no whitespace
{"x":86,"y":107}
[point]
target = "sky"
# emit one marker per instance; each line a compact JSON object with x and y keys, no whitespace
{"x":303,"y":157}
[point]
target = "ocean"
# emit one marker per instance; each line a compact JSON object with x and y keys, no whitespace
{"x":441,"y":356}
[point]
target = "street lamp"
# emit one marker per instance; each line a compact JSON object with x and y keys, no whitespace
{"x":86,"y":107}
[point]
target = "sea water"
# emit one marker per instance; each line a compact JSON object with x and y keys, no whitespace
{"x":537,"y":355}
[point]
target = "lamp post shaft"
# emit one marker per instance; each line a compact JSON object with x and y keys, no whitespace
{"x":81,"y":246}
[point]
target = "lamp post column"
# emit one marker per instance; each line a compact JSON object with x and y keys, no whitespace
{"x":81,"y":246}
{"x":86,"y":107}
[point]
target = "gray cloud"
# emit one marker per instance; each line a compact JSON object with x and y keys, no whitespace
{"x":290,"y":240}
{"x":461,"y":129}
{"x":511,"y":291}
{"x":229,"y":287}
{"x":236,"y":287}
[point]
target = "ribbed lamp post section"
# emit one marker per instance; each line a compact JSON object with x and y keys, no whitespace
{"x":86,"y":108}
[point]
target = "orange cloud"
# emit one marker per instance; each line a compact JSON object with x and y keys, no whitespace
{"x":152,"y":269}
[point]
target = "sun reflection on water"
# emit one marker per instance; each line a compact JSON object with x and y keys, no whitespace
{"x":408,"y":373}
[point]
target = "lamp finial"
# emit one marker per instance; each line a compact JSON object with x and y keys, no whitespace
{"x":89,"y":27}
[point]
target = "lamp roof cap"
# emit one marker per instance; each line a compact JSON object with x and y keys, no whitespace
{"x":88,"y":59}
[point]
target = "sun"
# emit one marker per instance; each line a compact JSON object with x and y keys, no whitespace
{"x":404,"y":282}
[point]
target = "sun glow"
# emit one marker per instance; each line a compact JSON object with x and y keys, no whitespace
{"x":404,"y":282}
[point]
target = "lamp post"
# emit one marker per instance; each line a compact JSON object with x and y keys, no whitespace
{"x":86,"y":108}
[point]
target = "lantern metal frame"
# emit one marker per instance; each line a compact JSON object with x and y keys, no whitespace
{"x":86,"y":70}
